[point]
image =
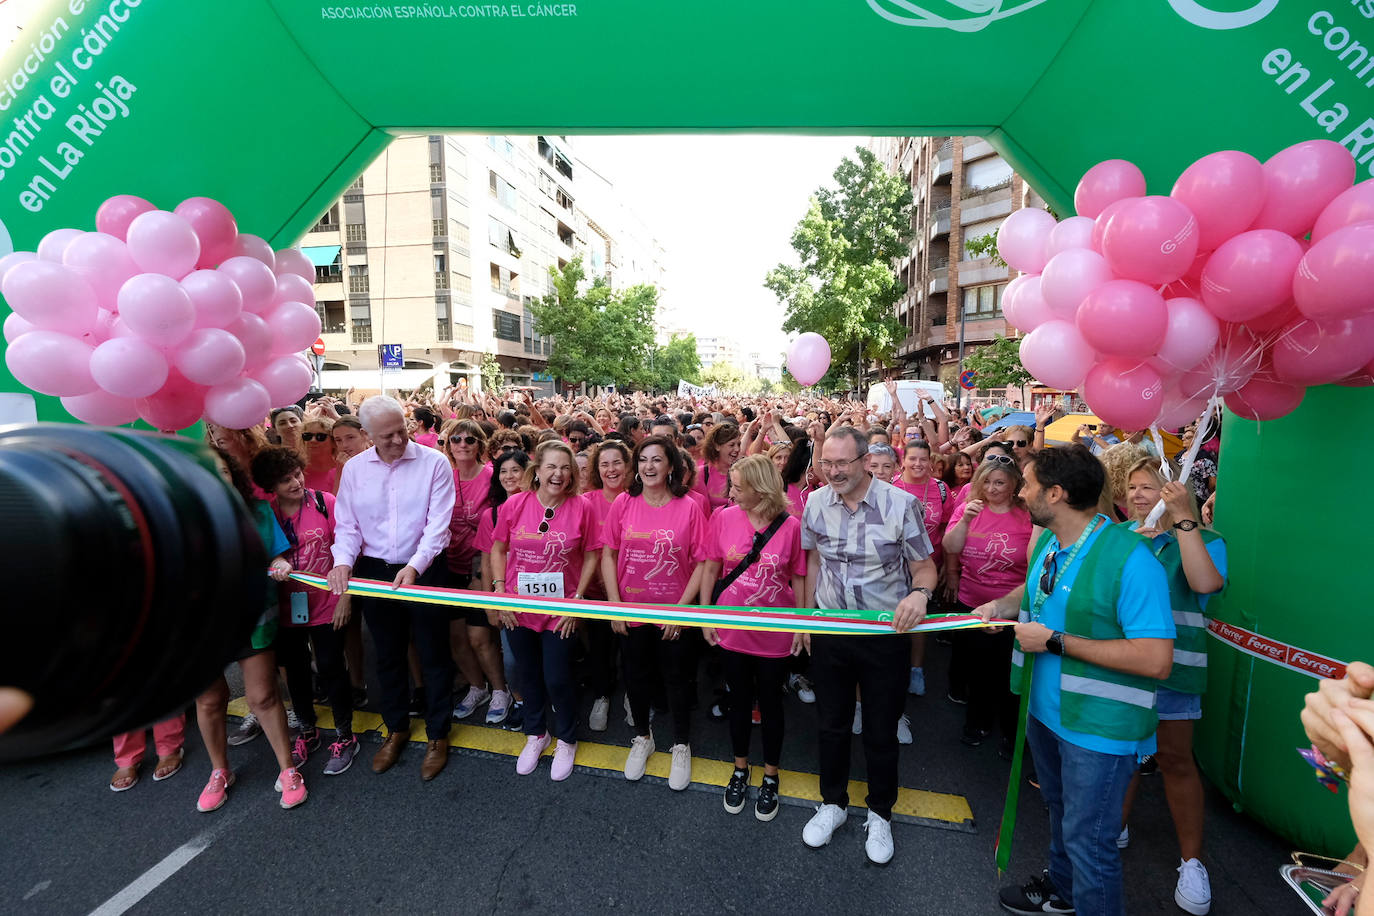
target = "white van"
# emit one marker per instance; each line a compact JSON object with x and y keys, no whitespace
{"x":909,"y":392}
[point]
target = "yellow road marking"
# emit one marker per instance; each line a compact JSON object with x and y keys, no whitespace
{"x":914,"y":803}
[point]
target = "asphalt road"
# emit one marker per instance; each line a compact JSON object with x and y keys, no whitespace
{"x":482,"y":839}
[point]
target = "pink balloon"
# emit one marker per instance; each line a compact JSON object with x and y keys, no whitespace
{"x":237,"y":404}
{"x":1123,"y":318}
{"x":1057,"y":355}
{"x":1300,"y":181}
{"x":13,"y":258}
{"x":294,"y":262}
{"x":163,"y":243}
{"x":1124,"y":393}
{"x":1022,"y":238}
{"x":1070,"y":276}
{"x":294,"y":325}
{"x":103,"y":261}
{"x":1236,"y":358}
{"x":1074,"y":232}
{"x":1265,"y":398}
{"x":50,"y":296}
{"x":256,"y":337}
{"x":51,"y":246}
{"x":157,"y":309}
{"x":1225,"y":191}
{"x":1105,"y":184}
{"x":247,"y":245}
{"x":1009,"y":294}
{"x":214,"y":226}
{"x":1311,"y":352}
{"x":808,"y":359}
{"x":128,"y":367}
{"x":1031,"y":309}
{"x":1192,"y":334}
{"x":1250,"y":274}
{"x":50,"y":362}
{"x":1275,"y":319}
{"x":291,"y":288}
{"x":286,"y":379}
{"x":1151,"y":239}
{"x":115,"y":214}
{"x":179,"y":404}
{"x":1178,"y":410}
{"x":1335,"y":279}
{"x":254,"y":279}
{"x":217,"y":298}
{"x":210,"y":356}
{"x":1353,"y":205}
{"x":101,"y":408}
{"x":1104,"y":219}
{"x":15,"y":325}
{"x":1363,"y":378}
{"x":103,"y":329}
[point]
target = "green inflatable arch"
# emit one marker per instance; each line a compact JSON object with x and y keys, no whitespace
{"x":274,"y":106}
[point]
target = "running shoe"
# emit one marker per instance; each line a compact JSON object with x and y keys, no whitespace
{"x":499,"y":707}
{"x":601,"y":712}
{"x":641,"y":749}
{"x":291,"y":785}
{"x":216,"y":791}
{"x":307,"y":740}
{"x":341,"y":754}
{"x":799,"y":685}
{"x":736,"y":791}
{"x":248,"y":729}
{"x":680,"y":773}
{"x":766,"y":805}
{"x":470,"y":703}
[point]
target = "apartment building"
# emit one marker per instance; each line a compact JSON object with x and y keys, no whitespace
{"x":962,"y":189}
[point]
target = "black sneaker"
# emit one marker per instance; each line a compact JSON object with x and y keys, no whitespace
{"x":766,"y":807}
{"x":515,"y":719}
{"x":736,"y":791}
{"x":973,"y":737}
{"x":360,"y":697}
{"x":1035,"y":896}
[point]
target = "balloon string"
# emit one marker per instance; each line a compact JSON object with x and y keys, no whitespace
{"x":1186,"y":469}
{"x":1164,"y":467}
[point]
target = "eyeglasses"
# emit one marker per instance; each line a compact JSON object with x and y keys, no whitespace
{"x":999,"y":458}
{"x":460,"y":440}
{"x":577,"y":440}
{"x":1019,"y":443}
{"x":836,"y":465}
{"x":314,"y":437}
{"x":693,"y":426}
{"x":1048,"y":572}
{"x":544,"y":525}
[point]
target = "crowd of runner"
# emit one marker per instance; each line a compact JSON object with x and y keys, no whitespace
{"x":767,"y":502}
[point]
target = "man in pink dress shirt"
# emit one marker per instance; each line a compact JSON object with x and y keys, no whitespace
{"x":392,"y":515}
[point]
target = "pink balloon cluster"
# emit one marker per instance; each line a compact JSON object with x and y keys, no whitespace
{"x":167,"y":316}
{"x":1250,"y":280}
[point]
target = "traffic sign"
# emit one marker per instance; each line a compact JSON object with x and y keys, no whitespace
{"x":390,"y":356}
{"x":318,"y":346}
{"x":966,"y":380}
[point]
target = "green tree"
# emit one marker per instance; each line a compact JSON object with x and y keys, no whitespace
{"x":600,"y":336}
{"x":676,"y":360}
{"x":729,"y":378}
{"x":493,"y":379}
{"x":998,"y":364}
{"x":844,"y":287}
{"x":985,"y":246}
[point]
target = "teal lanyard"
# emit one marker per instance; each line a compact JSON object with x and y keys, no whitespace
{"x":1042,"y":596}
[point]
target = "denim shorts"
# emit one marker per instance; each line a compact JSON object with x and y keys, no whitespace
{"x":1173,"y":706}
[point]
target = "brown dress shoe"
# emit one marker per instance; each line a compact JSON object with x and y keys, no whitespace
{"x":385,"y":758}
{"x":436,"y":757}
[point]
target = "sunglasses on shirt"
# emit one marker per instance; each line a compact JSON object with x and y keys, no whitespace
{"x":314,"y":437}
{"x":1048,"y":573}
{"x":544,"y":525}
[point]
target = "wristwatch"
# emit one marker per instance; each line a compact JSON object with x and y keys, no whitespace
{"x":930,"y":595}
{"x":1055,"y":644}
{"x":1186,"y":524}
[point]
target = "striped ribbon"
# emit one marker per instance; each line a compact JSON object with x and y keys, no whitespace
{"x":832,"y":622}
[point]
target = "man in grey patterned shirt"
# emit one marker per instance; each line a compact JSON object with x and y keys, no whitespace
{"x":867,"y":548}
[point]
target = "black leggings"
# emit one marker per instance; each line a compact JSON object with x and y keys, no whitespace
{"x":293,"y":653}
{"x":755,"y":678}
{"x":647,"y":654}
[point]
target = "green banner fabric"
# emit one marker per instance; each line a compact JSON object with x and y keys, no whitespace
{"x":275,"y":106}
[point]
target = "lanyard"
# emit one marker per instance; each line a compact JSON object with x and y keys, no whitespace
{"x":1042,"y":596}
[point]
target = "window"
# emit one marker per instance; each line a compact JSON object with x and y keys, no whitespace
{"x":329,"y":273}
{"x":983,"y":301}
{"x":987,"y":173}
{"x":978,"y":230}
{"x":502,"y":190}
{"x":503,"y":237}
{"x":331,"y":317}
{"x":357,"y":278}
{"x":501,"y":145}
{"x":356,"y":232}
{"x":329,"y":222}
{"x":505,"y":325}
{"x":440,"y":262}
{"x":505,"y":281}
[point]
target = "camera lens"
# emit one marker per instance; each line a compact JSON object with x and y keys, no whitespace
{"x":133,"y":574}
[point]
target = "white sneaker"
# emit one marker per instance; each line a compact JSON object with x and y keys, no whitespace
{"x":904,"y":730}
{"x":799,"y":685}
{"x":1123,"y":839}
{"x":878,"y":843}
{"x":471,"y":702}
{"x":858,"y":728}
{"x":641,"y":749}
{"x":1194,"y":891}
{"x":601,"y":711}
{"x":499,"y":707}
{"x":680,"y":774}
{"x":823,"y":824}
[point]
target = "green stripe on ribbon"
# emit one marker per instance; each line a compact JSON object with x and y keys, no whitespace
{"x":1002,"y":850}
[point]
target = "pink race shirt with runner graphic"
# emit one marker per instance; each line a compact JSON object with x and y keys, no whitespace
{"x":994,"y":558}
{"x":600,"y":507}
{"x":714,"y":484}
{"x":657,"y":548}
{"x":765,"y":584}
{"x":928,"y":494}
{"x":571,"y":533}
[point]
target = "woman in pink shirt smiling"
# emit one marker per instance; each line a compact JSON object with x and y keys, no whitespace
{"x":721,"y":450}
{"x":917,"y":480}
{"x":321,"y":464}
{"x":544,"y":547}
{"x":755,"y":662}
{"x":609,"y":469}
{"x":654,"y":542}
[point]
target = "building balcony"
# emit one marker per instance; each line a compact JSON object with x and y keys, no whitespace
{"x":980,"y":271}
{"x":985,"y":205}
{"x":939,"y":281}
{"x":332,"y":291}
{"x":944,"y":162}
{"x":977,"y":149}
{"x":938,"y":224}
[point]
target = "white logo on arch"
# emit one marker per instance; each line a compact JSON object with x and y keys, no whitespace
{"x":977,"y":14}
{"x":6,"y":243}
{"x":1200,"y":15}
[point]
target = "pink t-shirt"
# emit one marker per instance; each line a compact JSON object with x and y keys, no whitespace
{"x":657,"y":548}
{"x":994,"y":557}
{"x":469,"y":502}
{"x":767,"y":583}
{"x":796,"y":500}
{"x":561,"y":549}
{"x":933,"y":506}
{"x":326,"y":480}
{"x":714,"y":484}
{"x":485,"y":527}
{"x":312,"y":535}
{"x":430,"y":439}
{"x":600,"y":507}
{"x":702,"y":502}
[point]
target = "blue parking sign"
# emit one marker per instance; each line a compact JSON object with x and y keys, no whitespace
{"x":389,"y":355}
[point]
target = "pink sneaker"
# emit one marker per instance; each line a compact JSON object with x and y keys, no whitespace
{"x":563,"y":756}
{"x":291,"y":785}
{"x":216,"y":791}
{"x":530,"y":753}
